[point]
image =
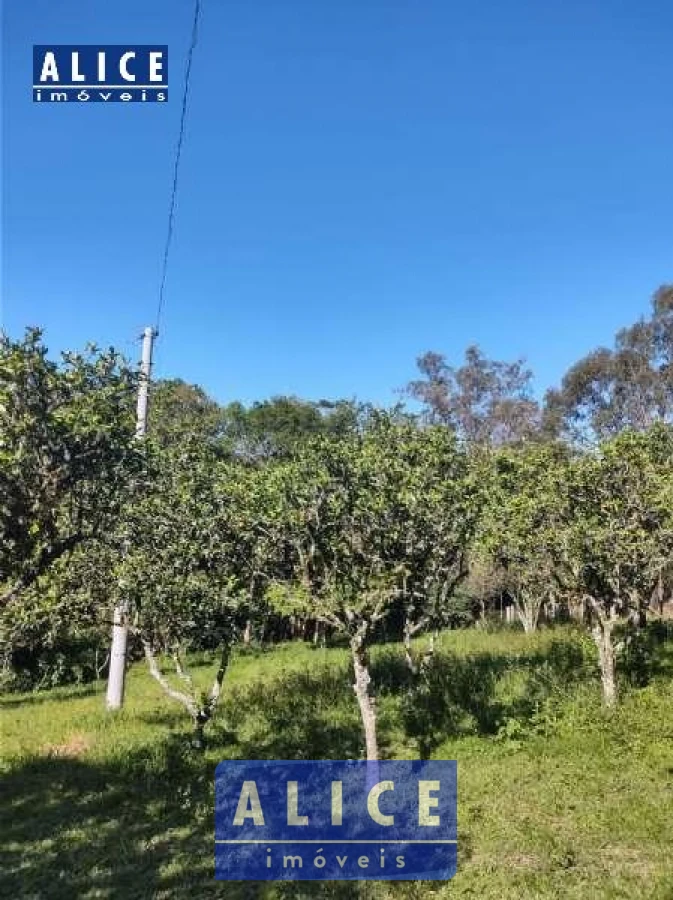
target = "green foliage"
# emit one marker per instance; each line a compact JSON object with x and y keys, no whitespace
{"x":383,"y":515}
{"x":276,"y":428}
{"x":459,"y":611}
{"x":65,"y":454}
{"x":525,"y":512}
{"x":180,"y":575}
{"x":641,"y":656}
{"x":180,"y":411}
{"x":337,"y":513}
{"x":619,"y":535}
{"x":58,"y":633}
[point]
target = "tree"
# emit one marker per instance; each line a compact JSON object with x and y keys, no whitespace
{"x":275,"y":428}
{"x":368,"y":520}
{"x":66,"y":454}
{"x":180,"y":411}
{"x":485,"y":582}
{"x":628,"y":386}
{"x":187,"y":563}
{"x":58,"y":631}
{"x":438,"y":508}
{"x":526,"y":508}
{"x":619,"y":537}
{"x":485,"y":401}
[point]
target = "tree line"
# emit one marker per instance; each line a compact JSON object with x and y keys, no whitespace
{"x":351,"y":518}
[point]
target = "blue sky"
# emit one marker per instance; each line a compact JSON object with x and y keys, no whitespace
{"x":361,"y":182}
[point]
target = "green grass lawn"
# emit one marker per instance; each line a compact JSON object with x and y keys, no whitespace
{"x":557,"y":798}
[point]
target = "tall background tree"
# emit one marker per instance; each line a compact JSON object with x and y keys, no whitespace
{"x":274,"y":428}
{"x":486,"y":402}
{"x":627,"y":386}
{"x":181,"y":411}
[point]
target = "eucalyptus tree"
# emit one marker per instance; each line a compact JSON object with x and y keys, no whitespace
{"x":369,"y":520}
{"x":486,"y":402}
{"x":628,"y":385}
{"x":66,"y":454}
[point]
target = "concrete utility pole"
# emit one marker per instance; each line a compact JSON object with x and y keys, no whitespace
{"x":117,"y":672}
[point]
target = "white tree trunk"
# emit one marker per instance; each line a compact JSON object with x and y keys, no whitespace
{"x":200,"y":708}
{"x":319,"y":634}
{"x":528,"y":610}
{"x":411,"y":629}
{"x":365,"y":700}
{"x":408,"y":656}
{"x":602,"y":635}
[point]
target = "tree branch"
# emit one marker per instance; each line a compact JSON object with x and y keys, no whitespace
{"x":186,"y":701}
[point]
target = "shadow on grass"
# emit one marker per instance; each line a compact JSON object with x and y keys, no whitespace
{"x":648,"y":653}
{"x":67,"y":692}
{"x":299,"y":715}
{"x":139,"y":827}
{"x":312,"y":714}
{"x":476,"y":693}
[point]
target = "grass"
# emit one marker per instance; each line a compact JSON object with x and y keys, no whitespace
{"x":557,"y":798}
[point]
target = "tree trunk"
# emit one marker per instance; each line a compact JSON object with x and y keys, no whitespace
{"x":201,"y":712}
{"x":528,"y":610}
{"x":365,"y":700}
{"x":410,"y":629}
{"x":247,"y":633}
{"x":602,"y":635}
{"x":659,"y":595}
{"x":207,"y":710}
{"x":179,"y":696}
{"x":319,"y":634}
{"x":198,"y":736}
{"x":408,"y":655}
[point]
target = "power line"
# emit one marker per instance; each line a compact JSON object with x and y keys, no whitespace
{"x":178,"y":154}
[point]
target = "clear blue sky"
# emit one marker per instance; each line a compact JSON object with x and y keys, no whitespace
{"x":361,"y":182}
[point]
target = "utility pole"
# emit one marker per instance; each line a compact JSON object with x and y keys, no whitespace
{"x":117,"y":671}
